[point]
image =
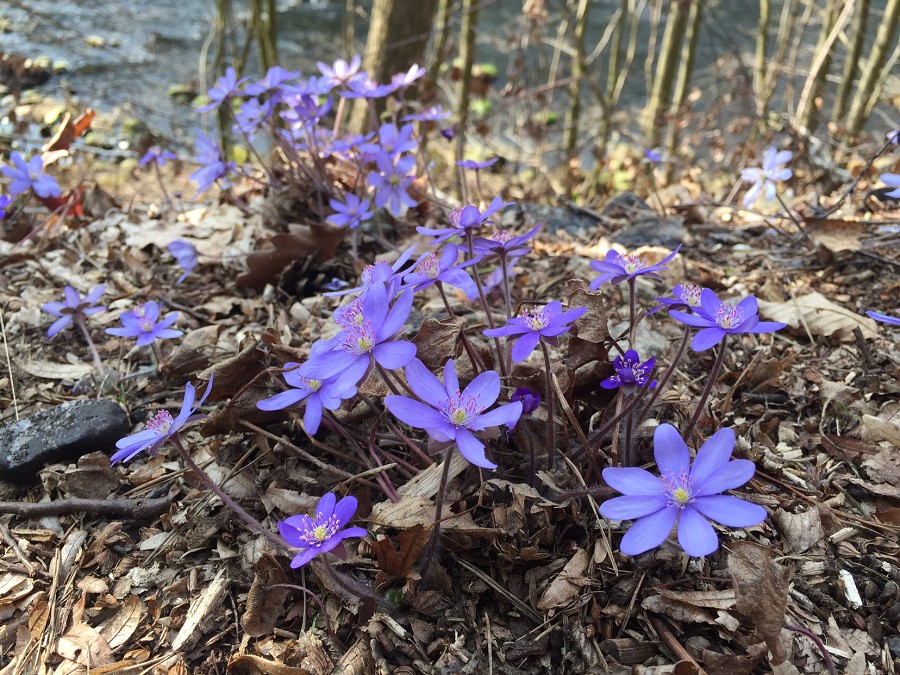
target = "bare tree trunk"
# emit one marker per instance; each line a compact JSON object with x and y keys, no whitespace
{"x":442,"y":34}
{"x":398,"y":34}
{"x":851,"y":64}
{"x":685,"y":68}
{"x":570,"y":135}
{"x":665,"y":71}
{"x":762,"y":46}
{"x":466,"y":60}
{"x":884,"y":44}
{"x":833,"y":23}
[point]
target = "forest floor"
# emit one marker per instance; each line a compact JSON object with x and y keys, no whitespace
{"x":528,"y":577}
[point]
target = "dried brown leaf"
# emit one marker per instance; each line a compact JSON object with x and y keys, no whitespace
{"x":680,"y":611}
{"x":761,"y":592}
{"x":122,"y":625}
{"x":882,"y":429}
{"x":837,"y":235}
{"x":709,"y":599}
{"x":592,"y":326}
{"x":395,"y":562}
{"x":199,"y":610}
{"x":800,"y":530}
{"x":85,"y":646}
{"x":264,"y":602}
{"x":436,"y":340}
{"x":821,"y":315}
{"x":317,"y":240}
{"x":567,"y":584}
{"x":412,"y":511}
{"x":247,"y":664}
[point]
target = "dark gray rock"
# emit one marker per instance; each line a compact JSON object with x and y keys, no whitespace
{"x":652,"y":231}
{"x":60,"y":434}
{"x":554,"y":218}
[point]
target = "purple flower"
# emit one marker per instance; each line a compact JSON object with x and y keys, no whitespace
{"x":683,"y":494}
{"x":476,"y":165}
{"x":340,"y":72}
{"x":156,"y":154}
{"x":630,"y":372}
{"x":185,"y":255}
{"x":318,"y":394}
{"x":462,"y":220}
{"x":322,"y":534}
{"x":391,"y":140}
{"x":878,"y":316}
{"x":214,"y":168}
{"x":365,"y":87}
{"x":74,"y":307}
{"x":547,"y":323}
{"x":274,"y":78}
{"x":226,"y":88}
{"x":653,"y":155}
{"x":431,"y":268}
{"x":773,"y":170}
{"x":351,"y":213}
{"x":366,"y":338}
{"x":379,"y":273}
{"x":161,"y":427}
{"x":29,"y":175}
{"x":5,"y":201}
{"x":144,"y":324}
{"x":503,"y":243}
{"x":892,"y":180}
{"x":305,"y":111}
{"x":893,"y":136}
{"x":403,"y":80}
{"x":616,"y":268}
{"x":718,"y":319}
{"x":687,"y":296}
{"x":432,"y":114}
{"x":530,"y":400}
{"x":449,"y":414}
{"x":252,"y":116}
{"x":391,"y":183}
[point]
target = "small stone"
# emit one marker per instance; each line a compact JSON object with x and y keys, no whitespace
{"x":652,"y":231}
{"x":60,"y":434}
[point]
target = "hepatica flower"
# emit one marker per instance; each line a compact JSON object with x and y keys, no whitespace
{"x":392,"y":140}
{"x":617,"y":268}
{"x":367,"y":337}
{"x":322,"y":533}
{"x":449,"y":414}
{"x":540,"y":323}
{"x":878,"y":316}
{"x":340,"y":72}
{"x":630,"y":372}
{"x":161,"y":427}
{"x":431,"y":268}
{"x":145,"y":325}
{"x":764,"y":179}
{"x":463,"y":220}
{"x":529,"y":398}
{"x":475,"y":165}
{"x":379,"y":273}
{"x":892,"y":180}
{"x":226,"y":87}
{"x":391,"y":182}
{"x":73,"y":308}
{"x":350,"y":213}
{"x":432,"y":114}
{"x":29,"y":176}
{"x":718,"y":319}
{"x":318,"y":394}
{"x":156,"y":155}
{"x":503,"y":244}
{"x":687,"y":296}
{"x":5,"y":201}
{"x":214,"y":167}
{"x":185,"y":255}
{"x":686,"y":495}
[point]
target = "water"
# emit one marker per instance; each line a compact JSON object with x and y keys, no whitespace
{"x":148,"y":45}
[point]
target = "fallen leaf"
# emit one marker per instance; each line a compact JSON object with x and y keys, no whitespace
{"x":802,"y":530}
{"x":247,"y":664}
{"x":49,"y":370}
{"x":411,"y":511}
{"x":395,"y":562}
{"x":567,"y":584}
{"x":436,"y":340}
{"x":85,"y":646}
{"x":117,"y":630}
{"x":882,"y":429}
{"x":821,"y":315}
{"x":316,"y":240}
{"x":837,"y":235}
{"x":199,"y":610}
{"x":68,"y":131}
{"x":265,"y":601}
{"x":761,"y":593}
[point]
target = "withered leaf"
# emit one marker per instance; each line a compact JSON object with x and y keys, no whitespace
{"x":68,"y":131}
{"x":800,"y":530}
{"x":592,"y":326}
{"x":567,"y":584}
{"x":265,"y":600}
{"x":395,"y":562}
{"x":436,"y":340}
{"x":318,"y":240}
{"x":122,"y":625}
{"x":821,"y":315}
{"x":247,"y":664}
{"x":761,"y":592}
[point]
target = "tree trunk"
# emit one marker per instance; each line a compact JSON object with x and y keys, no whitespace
{"x":884,"y":43}
{"x":398,"y":34}
{"x":466,"y":60}
{"x":665,"y":71}
{"x":851,"y":64}
{"x":570,"y":136}
{"x":832,"y":24}
{"x":685,"y":68}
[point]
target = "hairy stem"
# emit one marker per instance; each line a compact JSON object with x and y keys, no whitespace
{"x":551,"y":408}
{"x":714,"y":375}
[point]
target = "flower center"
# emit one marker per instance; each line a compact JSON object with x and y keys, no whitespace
{"x":320,"y":530}
{"x":461,"y":409}
{"x":359,"y":338}
{"x":428,"y":266}
{"x":502,"y":237}
{"x":351,"y":314}
{"x":679,"y":489}
{"x":34,"y":176}
{"x":312,"y":385}
{"x":631,"y":263}
{"x":456,"y":217}
{"x":690,"y":295}
{"x":729,"y":316}
{"x":147,"y":324}
{"x":537,"y":318}
{"x":160,"y":423}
